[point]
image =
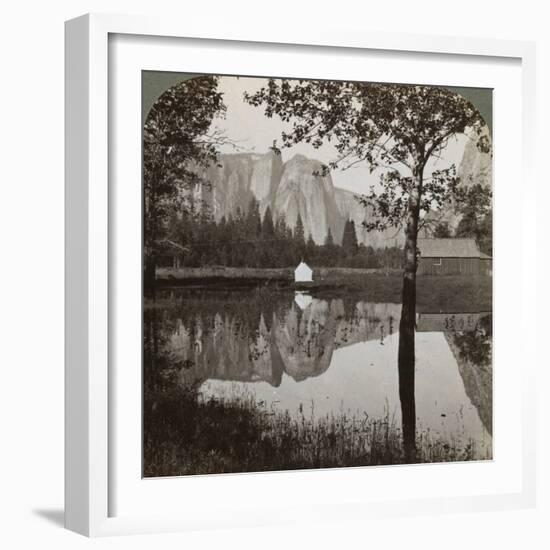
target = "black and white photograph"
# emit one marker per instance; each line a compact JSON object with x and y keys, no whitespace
{"x":317,"y":274}
{"x":288,"y":282}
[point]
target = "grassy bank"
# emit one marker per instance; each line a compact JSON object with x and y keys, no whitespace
{"x":185,"y":435}
{"x":265,"y":274}
{"x":452,"y":293}
{"x":222,"y":272}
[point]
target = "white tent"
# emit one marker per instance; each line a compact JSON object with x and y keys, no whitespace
{"x":303,"y":273}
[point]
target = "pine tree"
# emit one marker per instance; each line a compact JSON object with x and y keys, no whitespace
{"x":252,"y":232}
{"x":311,"y":249}
{"x":442,"y":231}
{"x":267,"y":251}
{"x":253,"y":219}
{"x":268,"y":229}
{"x":477,"y":217}
{"x":280,"y":227}
{"x":354,"y":243}
{"x":299,"y":231}
{"x":349,"y":239}
{"x":221,"y":241}
{"x":299,"y":240}
{"x":330,"y":252}
{"x":329,"y":241}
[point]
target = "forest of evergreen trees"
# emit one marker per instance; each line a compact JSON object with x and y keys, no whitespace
{"x":248,"y":240}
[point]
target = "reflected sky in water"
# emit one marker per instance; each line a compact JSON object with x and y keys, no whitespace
{"x":324,"y":354}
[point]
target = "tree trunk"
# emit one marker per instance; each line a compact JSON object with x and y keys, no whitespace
{"x":149,"y":240}
{"x":406,"y":355}
{"x":149,"y":274}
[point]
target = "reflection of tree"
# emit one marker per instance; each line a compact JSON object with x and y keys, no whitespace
{"x":260,"y":336}
{"x":472,"y":350}
{"x":408,"y":404}
{"x":269,"y":336}
{"x":164,"y":410}
{"x":159,"y":370}
{"x":475,"y":346}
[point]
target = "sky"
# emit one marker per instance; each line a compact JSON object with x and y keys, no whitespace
{"x":253,"y":132}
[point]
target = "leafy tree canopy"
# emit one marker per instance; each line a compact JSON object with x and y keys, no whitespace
{"x":176,"y":141}
{"x":442,"y":230}
{"x":476,"y":216}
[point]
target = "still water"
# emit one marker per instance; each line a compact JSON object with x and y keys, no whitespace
{"x":326,"y":354}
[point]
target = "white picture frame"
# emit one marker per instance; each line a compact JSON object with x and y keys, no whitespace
{"x":89,"y":221}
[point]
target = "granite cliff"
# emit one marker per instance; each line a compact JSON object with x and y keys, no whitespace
{"x":298,"y":186}
{"x":289,"y":188}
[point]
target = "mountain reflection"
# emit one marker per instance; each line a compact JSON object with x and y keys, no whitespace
{"x":332,"y":354}
{"x":233,"y":346}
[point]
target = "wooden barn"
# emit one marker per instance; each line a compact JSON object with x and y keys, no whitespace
{"x":486,"y":264}
{"x":452,"y":257}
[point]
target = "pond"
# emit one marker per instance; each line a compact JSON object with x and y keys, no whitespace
{"x":321,"y":361}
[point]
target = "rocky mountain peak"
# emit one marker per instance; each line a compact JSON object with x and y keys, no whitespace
{"x":295,"y":187}
{"x":299,"y":187}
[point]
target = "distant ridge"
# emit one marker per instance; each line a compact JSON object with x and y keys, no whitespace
{"x":289,"y":188}
{"x":298,"y":186}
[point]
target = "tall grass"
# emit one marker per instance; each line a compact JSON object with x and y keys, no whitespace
{"x":185,"y":434}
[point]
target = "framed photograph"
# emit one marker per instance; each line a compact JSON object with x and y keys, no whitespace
{"x":288,"y":271}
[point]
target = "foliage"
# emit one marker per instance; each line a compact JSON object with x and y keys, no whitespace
{"x":477,"y":216}
{"x":299,"y":236}
{"x":349,"y":240}
{"x":247,"y":240}
{"x":185,"y":435}
{"x":442,"y":231}
{"x":475,"y":346}
{"x":176,"y":143}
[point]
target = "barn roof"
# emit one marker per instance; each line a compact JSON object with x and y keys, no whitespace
{"x":448,"y":248}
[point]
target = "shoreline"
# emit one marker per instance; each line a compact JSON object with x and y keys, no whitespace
{"x":435,"y":293}
{"x":263,"y":273}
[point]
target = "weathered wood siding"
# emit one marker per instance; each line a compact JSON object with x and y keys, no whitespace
{"x":449,"y":266}
{"x":486,"y":266}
